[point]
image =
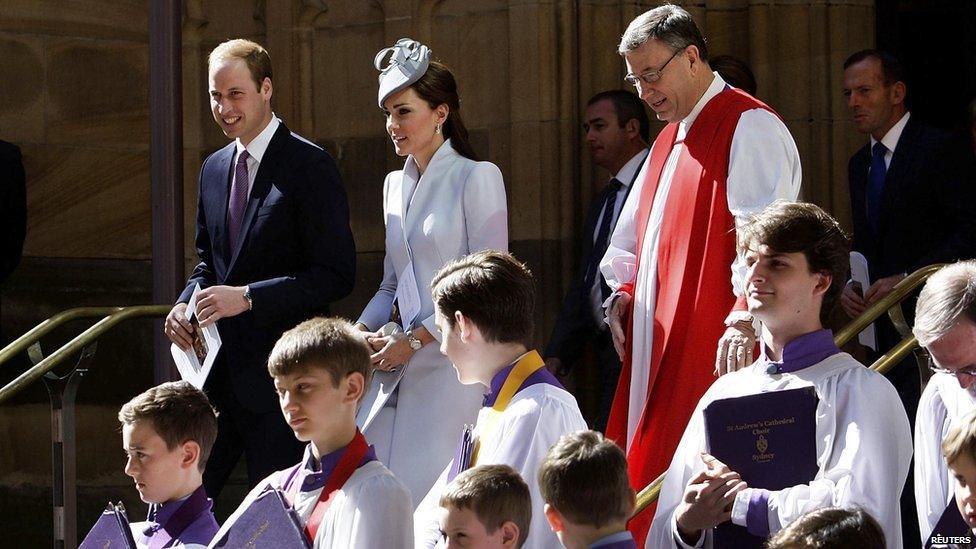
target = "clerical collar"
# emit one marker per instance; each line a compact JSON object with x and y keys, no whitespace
{"x":542,"y":375}
{"x":802,"y":352}
{"x":180,"y":510}
{"x":715,"y":88}
{"x":313,"y":478}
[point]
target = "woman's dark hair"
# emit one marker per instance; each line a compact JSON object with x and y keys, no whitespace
{"x":438,"y":87}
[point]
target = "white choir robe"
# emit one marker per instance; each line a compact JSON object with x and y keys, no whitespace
{"x":942,"y":406}
{"x":138,"y":527}
{"x":864,"y":448}
{"x":537,"y":417}
{"x":764,"y":166}
{"x":373,"y":509}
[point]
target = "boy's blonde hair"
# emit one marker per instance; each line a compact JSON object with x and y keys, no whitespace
{"x":178,"y":412}
{"x":961,"y":440}
{"x":584,"y":476}
{"x":330,"y":344}
{"x":496,"y":493}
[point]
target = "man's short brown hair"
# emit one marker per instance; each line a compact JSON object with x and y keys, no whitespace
{"x":584,"y":476}
{"x":496,"y":493}
{"x":330,"y":344}
{"x":491,"y":288}
{"x":790,"y":227}
{"x":178,"y":412}
{"x":256,"y":58}
{"x":961,"y":440}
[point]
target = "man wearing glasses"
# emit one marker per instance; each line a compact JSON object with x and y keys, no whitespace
{"x":723,"y":156}
{"x":945,"y":324}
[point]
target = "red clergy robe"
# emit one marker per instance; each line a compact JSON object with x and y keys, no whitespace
{"x":696,"y":249}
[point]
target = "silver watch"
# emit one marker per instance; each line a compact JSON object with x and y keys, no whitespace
{"x":247,"y":297}
{"x":414,"y":341}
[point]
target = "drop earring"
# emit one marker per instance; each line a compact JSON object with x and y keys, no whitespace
{"x":437,"y":128}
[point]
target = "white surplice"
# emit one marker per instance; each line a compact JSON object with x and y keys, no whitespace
{"x":373,"y":509}
{"x":456,"y":207}
{"x":943,"y":405}
{"x":864,"y":448}
{"x":534,"y":420}
{"x":764,"y":166}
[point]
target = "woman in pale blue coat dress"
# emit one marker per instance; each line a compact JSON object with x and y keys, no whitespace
{"x":442,"y":206}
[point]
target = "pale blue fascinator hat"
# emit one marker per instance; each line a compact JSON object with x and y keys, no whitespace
{"x":407,"y":62}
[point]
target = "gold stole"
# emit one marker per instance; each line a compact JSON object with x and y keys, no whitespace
{"x":525,"y":367}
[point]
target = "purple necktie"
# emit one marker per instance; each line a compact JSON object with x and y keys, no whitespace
{"x":238,"y":199}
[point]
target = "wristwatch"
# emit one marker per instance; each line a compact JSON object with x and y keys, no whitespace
{"x":414,"y":341}
{"x":247,"y":297}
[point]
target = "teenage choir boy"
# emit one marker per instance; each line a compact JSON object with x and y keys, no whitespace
{"x":484,"y":306}
{"x":797,"y":258}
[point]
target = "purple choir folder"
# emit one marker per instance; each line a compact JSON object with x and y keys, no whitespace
{"x":111,"y":530}
{"x":951,"y":529}
{"x":770,"y":439}
{"x":268,"y":523}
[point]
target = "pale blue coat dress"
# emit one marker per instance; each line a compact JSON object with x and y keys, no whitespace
{"x":415,"y":415}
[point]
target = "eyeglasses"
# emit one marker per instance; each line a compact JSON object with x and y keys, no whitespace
{"x":966,"y":370}
{"x":651,"y":76}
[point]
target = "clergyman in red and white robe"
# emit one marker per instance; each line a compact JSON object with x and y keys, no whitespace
{"x":673,"y":251}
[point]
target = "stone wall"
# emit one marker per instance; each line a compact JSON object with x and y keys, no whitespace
{"x":75,"y":99}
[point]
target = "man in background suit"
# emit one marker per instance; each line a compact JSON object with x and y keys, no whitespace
{"x":912,"y":193}
{"x":13,"y":208}
{"x":275,"y":249}
{"x":616,"y":129}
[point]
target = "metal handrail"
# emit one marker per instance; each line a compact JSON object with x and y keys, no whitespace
{"x":885,"y":362}
{"x":35,"y":334}
{"x":62,"y":391}
{"x":73,"y":346}
{"x":880,"y":307}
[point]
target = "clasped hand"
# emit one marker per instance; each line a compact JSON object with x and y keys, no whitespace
{"x":708,"y":499}
{"x":389,"y":352}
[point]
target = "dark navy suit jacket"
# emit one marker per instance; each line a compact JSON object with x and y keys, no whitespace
{"x":927,"y":204}
{"x":295,"y":251}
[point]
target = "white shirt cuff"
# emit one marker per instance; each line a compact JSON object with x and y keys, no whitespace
{"x":740,"y":507}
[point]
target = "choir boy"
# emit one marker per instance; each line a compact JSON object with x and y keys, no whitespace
{"x":587,"y":491}
{"x":167,"y":434}
{"x":488,"y":507}
{"x":831,"y":528}
{"x":484,"y":309}
{"x":797,"y":258}
{"x":959,"y":449}
{"x":320,"y":369}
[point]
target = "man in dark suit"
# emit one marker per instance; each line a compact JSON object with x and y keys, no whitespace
{"x":13,"y":208}
{"x":616,"y":129}
{"x":275,"y":249}
{"x":912,"y":193}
